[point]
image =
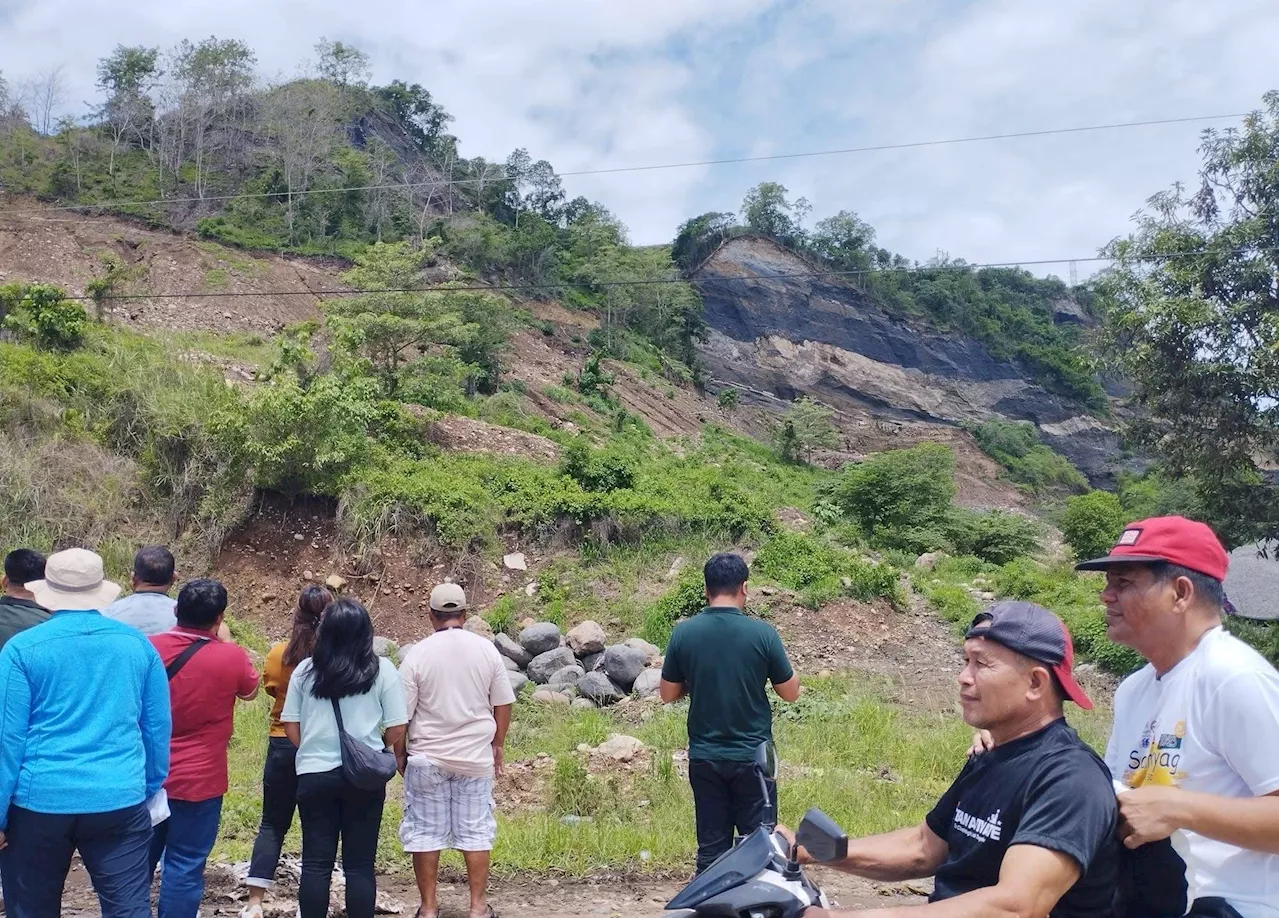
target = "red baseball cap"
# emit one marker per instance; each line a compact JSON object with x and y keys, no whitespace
{"x":1172,"y":539}
{"x":1034,"y":632}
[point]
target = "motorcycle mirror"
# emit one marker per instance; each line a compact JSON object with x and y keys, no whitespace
{"x":822,"y":837}
{"x":767,"y":760}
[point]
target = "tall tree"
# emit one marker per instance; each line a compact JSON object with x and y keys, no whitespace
{"x":213,"y":81}
{"x":342,"y":64}
{"x":126,"y":76}
{"x":767,"y":210}
{"x":1197,"y":333}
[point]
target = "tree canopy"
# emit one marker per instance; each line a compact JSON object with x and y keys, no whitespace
{"x":1191,"y":320}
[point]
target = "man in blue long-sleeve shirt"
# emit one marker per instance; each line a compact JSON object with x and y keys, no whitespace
{"x":84,"y":743}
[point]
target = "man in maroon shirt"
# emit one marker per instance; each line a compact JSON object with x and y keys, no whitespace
{"x":206,"y":676}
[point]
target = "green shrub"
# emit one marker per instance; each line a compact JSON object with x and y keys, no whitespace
{"x":995,"y":535}
{"x":686,"y":598}
{"x":303,"y":440}
{"x":41,"y":314}
{"x":502,"y":617}
{"x":821,"y":572}
{"x":728,"y":398}
{"x":892,"y":493}
{"x":1016,"y":446}
{"x":1092,"y":522}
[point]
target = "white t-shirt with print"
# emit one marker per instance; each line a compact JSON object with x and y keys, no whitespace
{"x":363,"y":716}
{"x":1210,"y":725}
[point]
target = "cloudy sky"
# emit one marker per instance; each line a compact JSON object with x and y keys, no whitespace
{"x":591,"y":84}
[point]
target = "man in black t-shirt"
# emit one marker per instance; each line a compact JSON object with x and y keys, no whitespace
{"x":1028,"y":828}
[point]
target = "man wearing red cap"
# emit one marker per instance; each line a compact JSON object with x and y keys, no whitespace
{"x":1029,"y":827}
{"x":1195,"y":746}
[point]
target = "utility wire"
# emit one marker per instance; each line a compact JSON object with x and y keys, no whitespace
{"x":644,"y":168}
{"x":640,"y":282}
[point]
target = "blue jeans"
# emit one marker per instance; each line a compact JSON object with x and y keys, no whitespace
{"x":185,"y":840}
{"x":112,"y":845}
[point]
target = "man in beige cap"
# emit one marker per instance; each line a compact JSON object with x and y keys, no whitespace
{"x":84,"y":743}
{"x":459,"y":701}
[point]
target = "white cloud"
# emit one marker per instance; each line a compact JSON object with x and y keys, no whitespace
{"x":593,"y":83}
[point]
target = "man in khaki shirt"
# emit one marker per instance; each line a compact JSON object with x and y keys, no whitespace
{"x":458,"y":699}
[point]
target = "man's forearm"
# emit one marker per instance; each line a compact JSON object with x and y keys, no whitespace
{"x":900,"y":855}
{"x":502,"y":722}
{"x":1252,"y":823}
{"x":981,"y":903}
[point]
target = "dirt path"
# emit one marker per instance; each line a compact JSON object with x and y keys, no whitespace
{"x":524,"y":897}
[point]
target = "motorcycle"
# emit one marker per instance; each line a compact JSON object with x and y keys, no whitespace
{"x":761,"y":877}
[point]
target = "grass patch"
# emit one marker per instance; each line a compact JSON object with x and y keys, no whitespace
{"x":242,"y":347}
{"x":871,"y":763}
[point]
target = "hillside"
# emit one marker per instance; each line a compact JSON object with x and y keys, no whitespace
{"x":780,"y":339}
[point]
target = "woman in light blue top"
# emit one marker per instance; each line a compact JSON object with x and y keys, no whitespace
{"x":342,"y":666}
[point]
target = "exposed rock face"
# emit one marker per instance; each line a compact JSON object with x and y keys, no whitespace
{"x":780,"y":339}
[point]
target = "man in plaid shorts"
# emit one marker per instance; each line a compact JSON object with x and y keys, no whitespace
{"x":459,"y":702}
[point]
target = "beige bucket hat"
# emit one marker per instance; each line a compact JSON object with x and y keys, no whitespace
{"x":73,"y":580}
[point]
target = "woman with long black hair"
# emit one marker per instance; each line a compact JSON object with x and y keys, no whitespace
{"x":368,"y":692}
{"x":279,"y":774}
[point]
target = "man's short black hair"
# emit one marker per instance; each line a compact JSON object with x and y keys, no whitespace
{"x":153,"y":564}
{"x":23,"y":566}
{"x":724,"y":573}
{"x":200,"y":602}
{"x":1207,"y":590}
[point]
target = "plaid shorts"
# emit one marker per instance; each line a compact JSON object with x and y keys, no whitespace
{"x":444,"y":810}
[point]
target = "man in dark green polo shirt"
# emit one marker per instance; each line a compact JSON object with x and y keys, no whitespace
{"x":18,"y":607}
{"x":722,"y":659}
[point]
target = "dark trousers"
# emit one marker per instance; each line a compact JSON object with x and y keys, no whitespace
{"x":726,"y":795}
{"x":184,"y":841}
{"x":331,"y":808}
{"x":279,"y":800}
{"x":112,"y":845}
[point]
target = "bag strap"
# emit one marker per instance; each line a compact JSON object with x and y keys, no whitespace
{"x":337,"y":714}
{"x":181,"y":659}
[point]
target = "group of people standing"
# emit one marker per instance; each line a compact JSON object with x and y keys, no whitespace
{"x":116,"y":716}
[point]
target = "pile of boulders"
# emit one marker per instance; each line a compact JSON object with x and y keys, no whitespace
{"x":578,"y":668}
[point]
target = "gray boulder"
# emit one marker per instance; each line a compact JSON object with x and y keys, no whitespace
{"x":511,"y":665}
{"x":583,"y":704}
{"x":563,"y":688}
{"x":569,"y":675}
{"x":591,"y":662}
{"x":646,"y":684}
{"x":540,"y":638}
{"x":623,"y":664}
{"x":518,"y":681}
{"x":650,"y":652}
{"x":600,"y":689}
{"x":385,"y":647}
{"x":587,"y":637}
{"x":542,"y":667}
{"x":512,"y":650}
{"x":545,"y":696}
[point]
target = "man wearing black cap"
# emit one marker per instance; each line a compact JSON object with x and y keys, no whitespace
{"x":1029,"y":827}
{"x":1195,"y":746}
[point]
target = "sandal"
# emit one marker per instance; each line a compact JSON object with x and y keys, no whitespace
{"x":432,"y":913}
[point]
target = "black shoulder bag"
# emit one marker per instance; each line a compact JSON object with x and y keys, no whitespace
{"x":365,"y":768}
{"x":181,"y":659}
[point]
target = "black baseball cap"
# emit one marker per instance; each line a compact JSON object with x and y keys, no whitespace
{"x":1034,"y":632}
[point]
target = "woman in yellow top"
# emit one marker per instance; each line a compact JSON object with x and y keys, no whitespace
{"x":279,"y":778}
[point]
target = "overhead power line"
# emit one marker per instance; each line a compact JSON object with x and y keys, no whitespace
{"x":638,"y":282}
{"x":643,"y":168}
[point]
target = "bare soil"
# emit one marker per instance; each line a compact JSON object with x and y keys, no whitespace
{"x":515,"y":897}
